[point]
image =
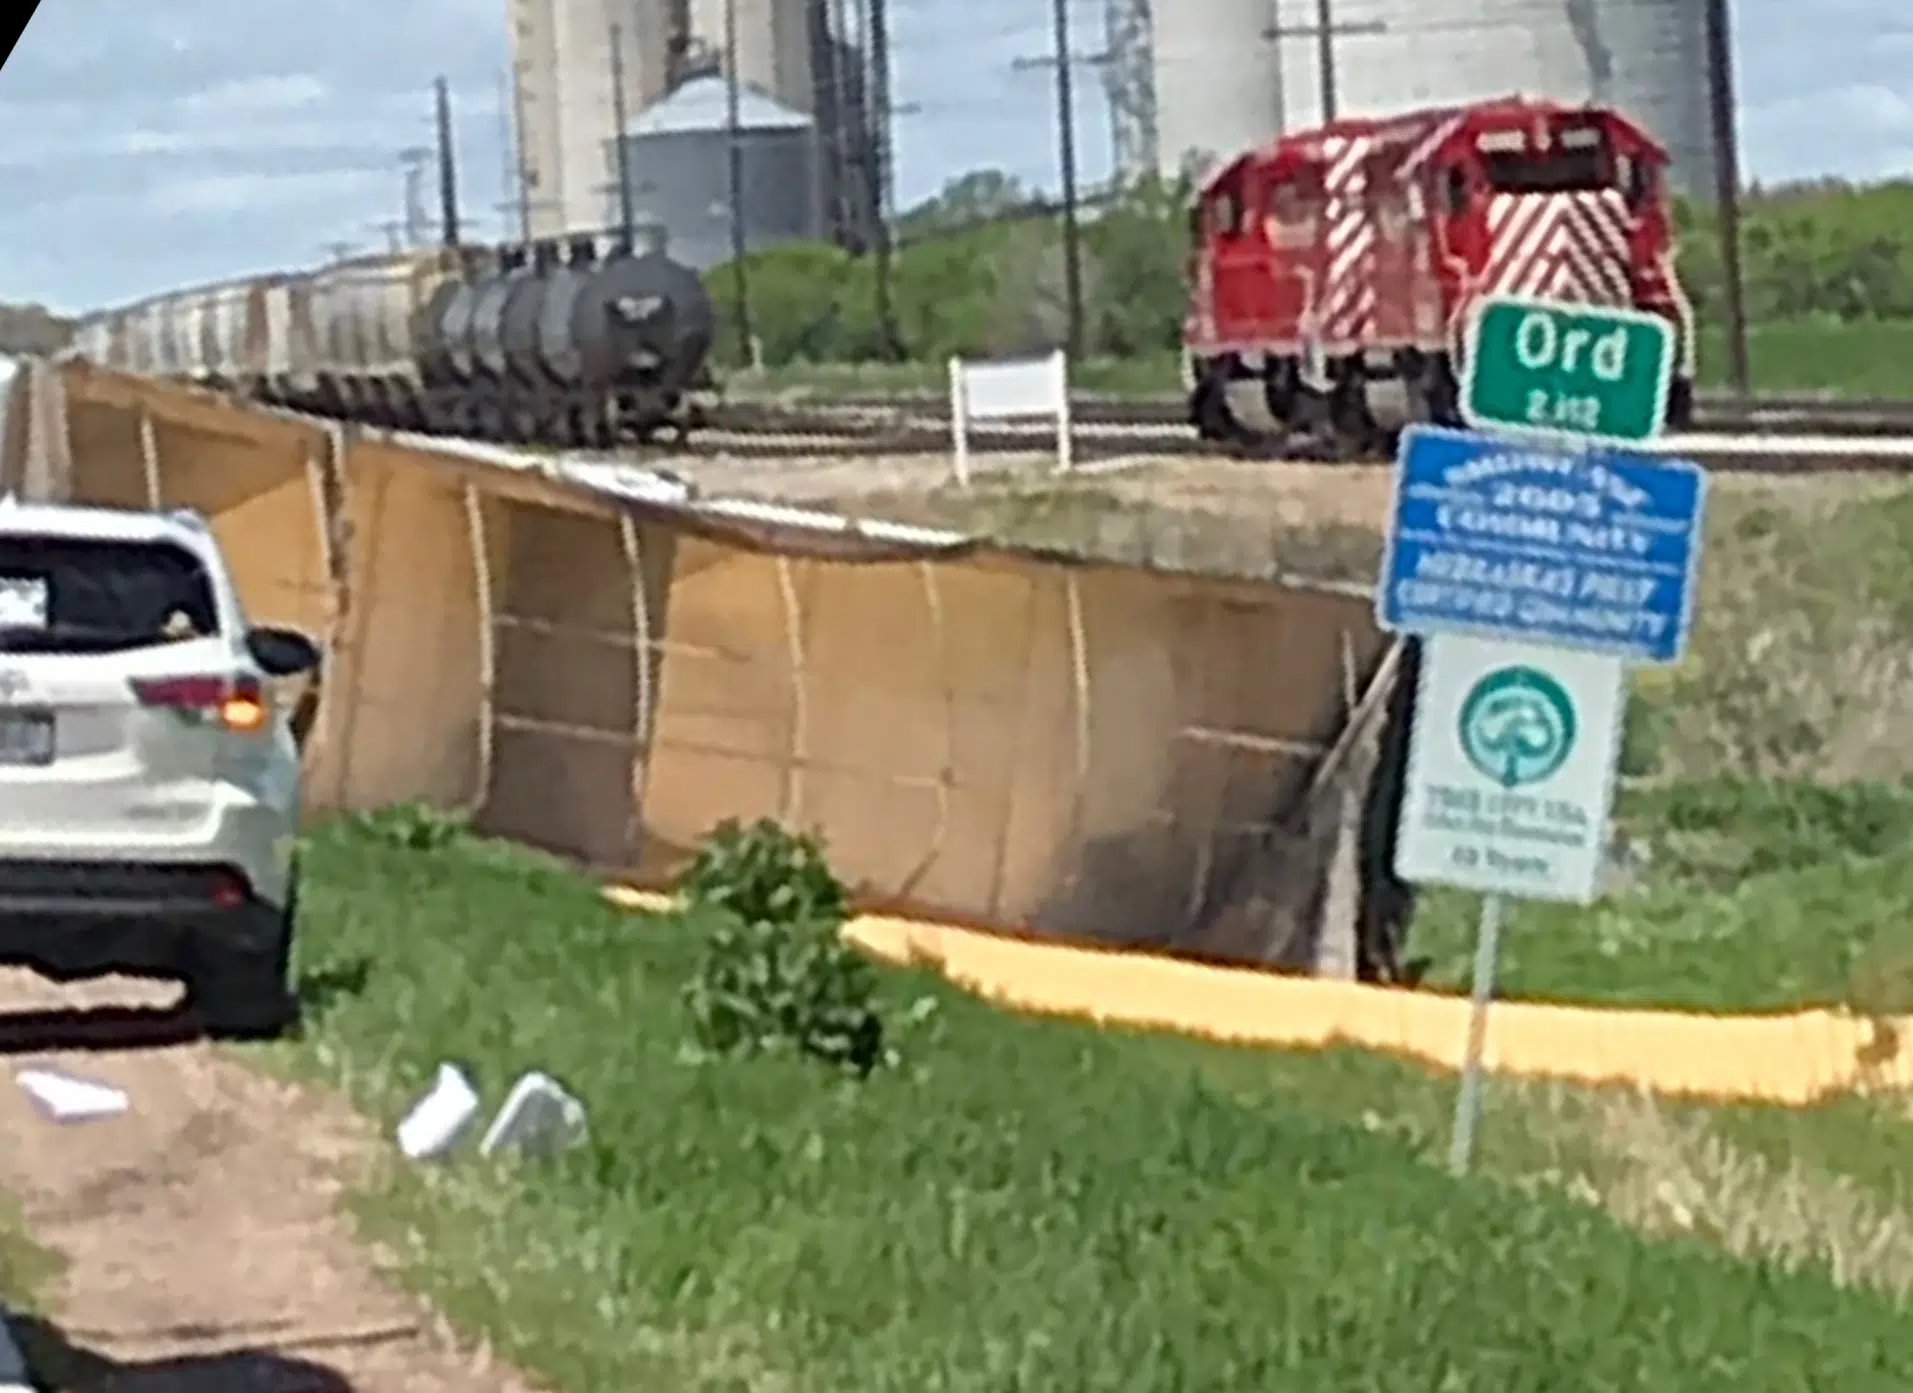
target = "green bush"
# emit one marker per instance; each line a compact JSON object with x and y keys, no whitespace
{"x":993,"y":289}
{"x":764,"y":873}
{"x":776,"y":973}
{"x":1828,"y":273}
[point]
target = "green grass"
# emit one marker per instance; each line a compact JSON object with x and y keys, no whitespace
{"x":1761,"y":895}
{"x":1861,"y":360}
{"x":27,"y":1271}
{"x":1151,"y":376}
{"x":1023,"y":1204}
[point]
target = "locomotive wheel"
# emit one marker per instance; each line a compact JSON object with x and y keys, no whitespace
{"x":1209,"y":412}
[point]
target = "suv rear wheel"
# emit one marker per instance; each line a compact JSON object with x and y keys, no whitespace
{"x":247,"y":993}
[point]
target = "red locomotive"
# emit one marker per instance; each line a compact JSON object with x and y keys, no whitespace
{"x":1333,"y":271}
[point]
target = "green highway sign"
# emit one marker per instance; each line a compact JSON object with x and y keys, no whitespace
{"x":1583,"y":370}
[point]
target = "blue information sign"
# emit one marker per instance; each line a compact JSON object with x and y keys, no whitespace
{"x":1593,"y":549}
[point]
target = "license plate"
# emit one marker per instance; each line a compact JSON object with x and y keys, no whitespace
{"x":26,"y":738}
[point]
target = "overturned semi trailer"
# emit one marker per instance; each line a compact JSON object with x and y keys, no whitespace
{"x":1206,"y":765}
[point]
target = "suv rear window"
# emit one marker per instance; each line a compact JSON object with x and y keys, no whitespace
{"x":81,"y":595}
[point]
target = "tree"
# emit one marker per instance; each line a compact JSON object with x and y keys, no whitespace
{"x":981,"y":196}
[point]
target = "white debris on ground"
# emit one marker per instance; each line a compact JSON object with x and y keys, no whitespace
{"x":537,"y":1118}
{"x":435,"y":1122}
{"x":66,"y":1098}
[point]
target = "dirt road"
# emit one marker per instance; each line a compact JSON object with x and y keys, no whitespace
{"x":204,"y":1248}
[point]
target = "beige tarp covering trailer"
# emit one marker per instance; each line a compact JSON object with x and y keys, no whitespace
{"x":597,"y":660}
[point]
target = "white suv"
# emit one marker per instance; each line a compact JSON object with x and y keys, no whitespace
{"x":149,"y":782}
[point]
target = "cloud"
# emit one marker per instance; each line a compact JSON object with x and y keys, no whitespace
{"x":157,"y":143}
{"x":256,"y":96}
{"x":225,"y":194}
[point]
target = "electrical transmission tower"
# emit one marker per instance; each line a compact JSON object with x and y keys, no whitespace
{"x":1129,"y":77}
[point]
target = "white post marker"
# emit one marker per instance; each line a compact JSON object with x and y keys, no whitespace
{"x":1511,"y":772}
{"x":1008,"y":390}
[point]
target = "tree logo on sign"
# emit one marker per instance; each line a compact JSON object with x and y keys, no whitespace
{"x":1517,"y":726}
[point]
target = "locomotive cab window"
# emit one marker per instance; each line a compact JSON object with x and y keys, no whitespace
{"x":1292,"y":211}
{"x":1640,"y":182}
{"x":1454,"y":190}
{"x":1225,"y":214}
{"x":1579,"y":166}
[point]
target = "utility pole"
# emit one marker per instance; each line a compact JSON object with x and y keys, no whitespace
{"x":832,"y":37}
{"x":511,"y":182}
{"x":733,"y":120}
{"x":1064,"y":61}
{"x":523,"y":182}
{"x":1066,"y":152}
{"x":447,"y":165}
{"x":1720,"y":92}
{"x":879,"y":114}
{"x":627,"y":213}
{"x":1325,"y":31}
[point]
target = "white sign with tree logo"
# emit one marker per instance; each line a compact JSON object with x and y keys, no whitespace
{"x":1511,"y":768}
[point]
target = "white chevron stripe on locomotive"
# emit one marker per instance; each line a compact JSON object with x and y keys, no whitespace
{"x":1348,"y":299}
{"x":1569,"y":247}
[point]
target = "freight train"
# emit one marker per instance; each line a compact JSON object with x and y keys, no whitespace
{"x":1334,"y":271}
{"x":589,"y":341}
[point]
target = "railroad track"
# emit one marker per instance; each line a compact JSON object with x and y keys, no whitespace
{"x":1782,"y":438}
{"x":1715,"y":412}
{"x":1743,"y":453}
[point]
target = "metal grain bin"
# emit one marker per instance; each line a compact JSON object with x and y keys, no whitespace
{"x":678,"y":153}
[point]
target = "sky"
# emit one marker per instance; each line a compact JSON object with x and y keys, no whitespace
{"x":154,"y":144}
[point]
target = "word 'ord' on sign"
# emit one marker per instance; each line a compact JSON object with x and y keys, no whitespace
{"x":1512,"y":762}
{"x":1594,"y":549}
{"x":1584,"y":370}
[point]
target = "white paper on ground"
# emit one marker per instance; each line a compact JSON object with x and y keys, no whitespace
{"x":65,"y":1098}
{"x":538,"y":1118}
{"x":436,"y":1120}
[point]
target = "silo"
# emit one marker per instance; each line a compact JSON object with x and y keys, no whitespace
{"x":773,"y":45}
{"x":1646,"y":58}
{"x":561,"y":63}
{"x":679,"y":157}
{"x":1218,"y":78}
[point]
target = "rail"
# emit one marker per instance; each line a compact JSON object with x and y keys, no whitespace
{"x":1771,"y":435}
{"x":1714,"y":411}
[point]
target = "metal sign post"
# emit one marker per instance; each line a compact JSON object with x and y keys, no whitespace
{"x":1538,"y":563}
{"x":1468,"y":1100}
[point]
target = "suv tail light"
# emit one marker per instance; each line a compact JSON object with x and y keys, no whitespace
{"x":236,"y":702}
